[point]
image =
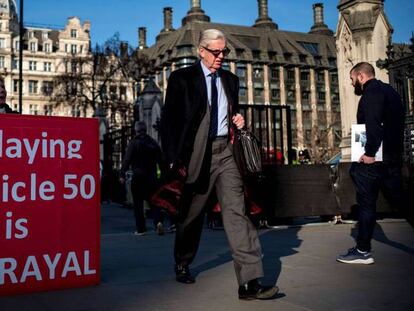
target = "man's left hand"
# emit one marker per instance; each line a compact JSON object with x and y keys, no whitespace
{"x":238,"y":120}
{"x":366,"y":159}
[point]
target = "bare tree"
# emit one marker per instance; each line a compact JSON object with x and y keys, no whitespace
{"x":321,"y":150}
{"x":87,"y":79}
{"x":135,"y":63}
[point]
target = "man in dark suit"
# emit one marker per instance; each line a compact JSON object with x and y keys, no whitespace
{"x":197,"y":125}
{"x":381,"y":110}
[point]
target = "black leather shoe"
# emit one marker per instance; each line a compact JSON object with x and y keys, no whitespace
{"x":254,"y":290}
{"x":183,"y":275}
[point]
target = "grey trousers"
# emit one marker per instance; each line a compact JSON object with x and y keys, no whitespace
{"x":241,"y":233}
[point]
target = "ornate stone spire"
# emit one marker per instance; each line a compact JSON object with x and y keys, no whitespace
{"x":8,"y":7}
{"x":343,"y":4}
{"x":8,"y":11}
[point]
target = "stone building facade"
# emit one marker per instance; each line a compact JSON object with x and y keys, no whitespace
{"x":275,"y":67}
{"x":45,"y":55}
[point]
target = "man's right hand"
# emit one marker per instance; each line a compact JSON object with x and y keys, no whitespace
{"x":121,"y":180}
{"x":366,"y":159}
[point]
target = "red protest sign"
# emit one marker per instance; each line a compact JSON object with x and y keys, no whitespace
{"x":49,"y":203}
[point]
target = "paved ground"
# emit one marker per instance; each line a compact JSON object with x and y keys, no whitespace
{"x":137,"y":272}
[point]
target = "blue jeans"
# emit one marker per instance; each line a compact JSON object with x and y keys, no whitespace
{"x":369,"y":179}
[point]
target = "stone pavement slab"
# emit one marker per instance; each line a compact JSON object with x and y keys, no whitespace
{"x":137,"y":272}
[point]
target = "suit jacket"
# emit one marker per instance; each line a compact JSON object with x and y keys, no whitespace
{"x":185,"y":117}
{"x":4,"y":108}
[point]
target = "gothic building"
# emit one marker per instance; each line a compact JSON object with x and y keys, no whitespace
{"x":275,"y":67}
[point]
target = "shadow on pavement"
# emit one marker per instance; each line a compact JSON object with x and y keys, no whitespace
{"x":276,"y":244}
{"x":379,"y":235}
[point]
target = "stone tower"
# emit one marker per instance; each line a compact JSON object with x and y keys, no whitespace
{"x":362,"y":34}
{"x":148,"y":107}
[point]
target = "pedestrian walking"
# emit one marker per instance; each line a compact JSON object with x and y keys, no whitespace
{"x":143,"y":155}
{"x":198,"y":122}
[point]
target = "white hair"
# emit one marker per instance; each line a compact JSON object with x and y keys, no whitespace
{"x":209,"y":35}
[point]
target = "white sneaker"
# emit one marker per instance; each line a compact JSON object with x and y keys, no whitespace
{"x":355,"y":256}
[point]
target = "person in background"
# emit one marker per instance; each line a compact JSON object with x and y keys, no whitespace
{"x":381,"y":110}
{"x":143,"y":155}
{"x":4,"y":108}
{"x":304,"y":157}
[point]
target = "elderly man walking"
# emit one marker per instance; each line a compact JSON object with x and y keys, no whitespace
{"x":199,"y":119}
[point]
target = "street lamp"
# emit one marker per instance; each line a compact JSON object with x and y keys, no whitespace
{"x":21,"y":32}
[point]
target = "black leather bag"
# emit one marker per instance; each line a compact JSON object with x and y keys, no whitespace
{"x":249,"y":147}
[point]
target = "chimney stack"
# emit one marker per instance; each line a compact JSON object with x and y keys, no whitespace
{"x":87,"y":26}
{"x":142,"y":38}
{"x":196,"y":14}
{"x":263,"y":9}
{"x":319,"y":26}
{"x":264,"y":20}
{"x":318,"y":13}
{"x":168,"y":28}
{"x":168,"y":19}
{"x":195,"y":4}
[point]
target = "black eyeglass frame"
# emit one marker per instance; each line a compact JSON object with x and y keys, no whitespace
{"x":216,"y":53}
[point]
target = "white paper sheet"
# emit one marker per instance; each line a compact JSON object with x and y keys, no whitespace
{"x":358,"y":141}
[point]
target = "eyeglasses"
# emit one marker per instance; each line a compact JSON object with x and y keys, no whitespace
{"x":216,"y":53}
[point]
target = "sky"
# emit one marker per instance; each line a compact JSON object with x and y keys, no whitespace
{"x":125,"y":16}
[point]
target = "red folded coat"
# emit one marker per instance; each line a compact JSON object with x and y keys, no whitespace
{"x":168,"y":196}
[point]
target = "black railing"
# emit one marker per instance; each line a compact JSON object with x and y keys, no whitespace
{"x":271,"y":124}
{"x":409,"y":140}
{"x":115,"y":144}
